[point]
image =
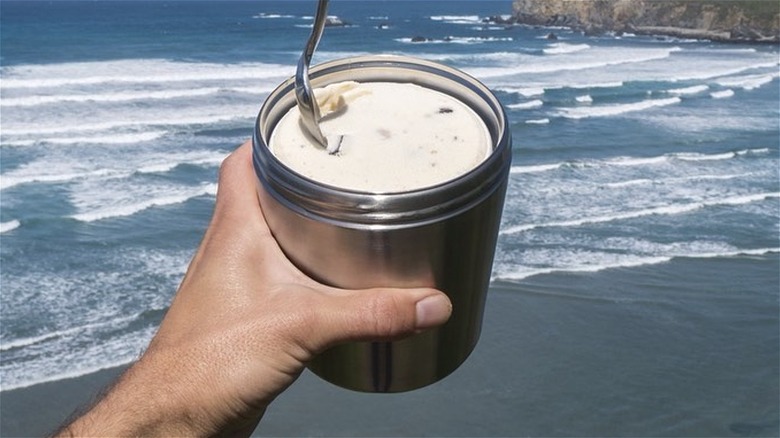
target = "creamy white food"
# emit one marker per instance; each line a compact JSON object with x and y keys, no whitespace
{"x":394,"y":137}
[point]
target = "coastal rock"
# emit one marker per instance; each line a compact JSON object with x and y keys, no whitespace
{"x":735,"y":21}
{"x":333,"y":21}
{"x":419,"y":39}
{"x":500,"y":19}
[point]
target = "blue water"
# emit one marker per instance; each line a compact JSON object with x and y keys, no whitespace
{"x":630,"y":153}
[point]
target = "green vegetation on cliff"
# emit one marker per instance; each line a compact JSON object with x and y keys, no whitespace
{"x":745,"y":20}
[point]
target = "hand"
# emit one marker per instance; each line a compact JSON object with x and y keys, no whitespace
{"x":242,"y":326}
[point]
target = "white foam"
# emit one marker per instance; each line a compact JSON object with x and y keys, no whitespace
{"x":272,"y":16}
{"x":633,"y":182}
{"x":21,"y":176}
{"x":596,"y":261}
{"x":457,"y":19}
{"x":157,"y":168}
{"x":627,"y":161}
{"x":687,"y":156}
{"x":135,"y":207}
{"x":544,"y":121}
{"x":17,"y":343}
{"x":476,"y":40}
{"x":171,"y":163}
{"x":455,"y":40}
{"x":694,"y":89}
{"x":538,"y":91}
{"x":114,"y":352}
{"x":661,"y":210}
{"x":185,"y":120}
{"x":584,"y":99}
{"x":748,"y":82}
{"x":526,"y":105}
{"x":535,"y":168}
{"x":99,"y":139}
{"x":645,"y":181}
{"x":262,"y":90}
{"x":758,"y":151}
{"x":525,"y":64}
{"x":613,"y":262}
{"x":616,"y":109}
{"x":107,"y":97}
{"x":561,"y":48}
{"x":73,"y":339}
{"x":636,"y":161}
{"x":135,"y":71}
{"x":722,"y":94}
{"x":9,"y":225}
{"x":32,"y":340}
{"x":616,"y":84}
{"x":717,"y":68}
{"x":525,"y":92}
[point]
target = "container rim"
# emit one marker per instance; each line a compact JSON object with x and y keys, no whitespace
{"x":334,"y":204}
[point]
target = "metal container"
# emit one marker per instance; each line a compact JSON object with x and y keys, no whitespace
{"x":443,"y":236}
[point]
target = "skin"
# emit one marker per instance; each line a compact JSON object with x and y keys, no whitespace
{"x":242,"y":327}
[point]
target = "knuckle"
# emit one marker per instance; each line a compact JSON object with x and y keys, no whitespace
{"x":226,"y":166}
{"x":385,"y":315}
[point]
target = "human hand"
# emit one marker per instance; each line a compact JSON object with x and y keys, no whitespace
{"x":242,"y":326}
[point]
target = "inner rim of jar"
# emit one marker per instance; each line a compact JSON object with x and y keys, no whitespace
{"x":311,"y":197}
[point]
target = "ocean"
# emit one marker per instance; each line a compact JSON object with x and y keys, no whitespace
{"x":637,"y":276}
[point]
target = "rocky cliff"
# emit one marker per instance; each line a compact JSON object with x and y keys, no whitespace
{"x":746,"y":20}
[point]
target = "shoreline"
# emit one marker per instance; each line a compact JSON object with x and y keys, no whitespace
{"x":621,"y":329}
{"x":39,"y":409}
{"x":739,"y":35}
{"x":697,"y":34}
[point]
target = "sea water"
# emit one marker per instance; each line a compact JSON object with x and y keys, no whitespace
{"x":649,"y":158}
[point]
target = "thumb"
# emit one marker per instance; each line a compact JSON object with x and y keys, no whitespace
{"x":381,"y":314}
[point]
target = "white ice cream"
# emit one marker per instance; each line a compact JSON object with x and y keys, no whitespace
{"x":396,"y":137}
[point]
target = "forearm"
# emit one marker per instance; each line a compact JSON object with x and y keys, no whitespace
{"x":138,"y":404}
{"x":155,"y":397}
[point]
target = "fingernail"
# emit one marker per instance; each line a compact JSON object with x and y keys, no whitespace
{"x":432,"y":311}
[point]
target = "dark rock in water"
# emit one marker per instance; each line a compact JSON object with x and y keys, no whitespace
{"x":419,"y":39}
{"x":500,"y":19}
{"x":336,"y":22}
{"x":383,"y":26}
{"x":551,"y":36}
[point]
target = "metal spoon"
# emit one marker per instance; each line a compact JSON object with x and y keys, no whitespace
{"x":304,"y":95}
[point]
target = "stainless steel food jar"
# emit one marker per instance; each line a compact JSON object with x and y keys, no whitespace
{"x":443,"y":236}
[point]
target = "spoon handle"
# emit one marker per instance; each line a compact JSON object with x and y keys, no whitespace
{"x":304,"y":95}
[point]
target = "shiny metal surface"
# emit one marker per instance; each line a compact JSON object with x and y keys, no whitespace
{"x":442,"y":236}
{"x":304,"y":94}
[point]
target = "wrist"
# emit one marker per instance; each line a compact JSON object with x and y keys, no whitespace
{"x":142,"y":402}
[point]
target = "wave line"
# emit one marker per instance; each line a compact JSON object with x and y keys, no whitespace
{"x":662,"y":210}
{"x":8,"y":226}
{"x":632,"y":263}
{"x":641,"y":161}
{"x":131,"y":209}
